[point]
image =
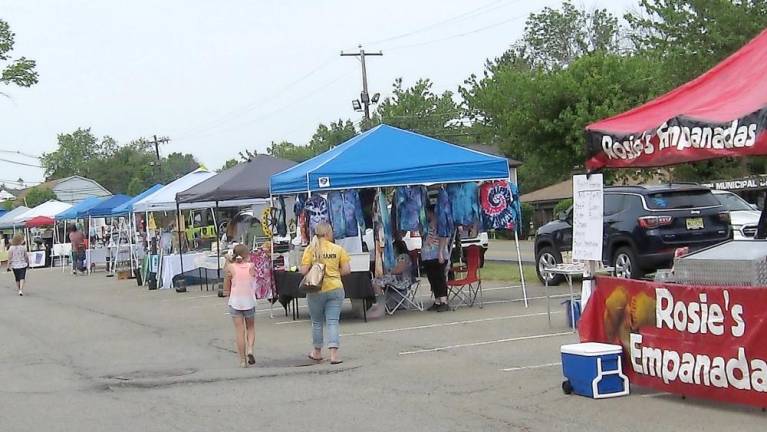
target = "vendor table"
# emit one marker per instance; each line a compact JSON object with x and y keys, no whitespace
{"x":568,"y":271}
{"x":171,"y":265}
{"x":357,"y":285}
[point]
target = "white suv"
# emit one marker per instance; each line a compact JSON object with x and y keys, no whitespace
{"x":744,"y":218}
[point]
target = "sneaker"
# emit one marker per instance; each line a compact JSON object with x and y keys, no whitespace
{"x":433,"y":307}
{"x":20,"y":293}
{"x":444,"y":307}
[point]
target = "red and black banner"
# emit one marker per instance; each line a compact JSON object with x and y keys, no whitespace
{"x":699,"y":341}
{"x":678,"y":140}
{"x":722,"y":113}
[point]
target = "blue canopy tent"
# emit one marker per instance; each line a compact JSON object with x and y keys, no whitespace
{"x":82,"y":206}
{"x":127,"y":207}
{"x":386,"y":156}
{"x":105,"y":207}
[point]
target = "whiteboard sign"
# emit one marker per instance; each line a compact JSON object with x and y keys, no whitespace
{"x":588,"y":202}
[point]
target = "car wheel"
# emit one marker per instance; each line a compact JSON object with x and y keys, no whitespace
{"x":625,"y":263}
{"x":548,"y":257}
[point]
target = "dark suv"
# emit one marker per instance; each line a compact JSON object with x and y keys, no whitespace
{"x":643,"y":226}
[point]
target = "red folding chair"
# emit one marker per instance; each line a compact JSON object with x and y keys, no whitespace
{"x":466,"y":290}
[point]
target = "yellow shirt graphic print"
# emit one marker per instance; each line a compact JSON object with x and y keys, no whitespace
{"x":333,"y":256}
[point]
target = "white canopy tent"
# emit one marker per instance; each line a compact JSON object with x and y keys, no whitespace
{"x":6,"y":221}
{"x":48,"y":209}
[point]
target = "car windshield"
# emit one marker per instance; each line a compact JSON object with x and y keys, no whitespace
{"x":681,"y":200}
{"x":732,"y":202}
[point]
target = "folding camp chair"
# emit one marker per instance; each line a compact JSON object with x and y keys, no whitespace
{"x":404,"y":297}
{"x":465,"y":291}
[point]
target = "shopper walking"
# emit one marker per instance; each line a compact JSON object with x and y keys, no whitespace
{"x":77,"y":240}
{"x":242,"y":303}
{"x":325,"y":305}
{"x":434,"y":257}
{"x":18,"y":261}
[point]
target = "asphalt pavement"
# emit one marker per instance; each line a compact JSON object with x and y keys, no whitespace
{"x":96,"y":354}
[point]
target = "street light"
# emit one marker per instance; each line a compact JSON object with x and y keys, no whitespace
{"x":356,"y":105}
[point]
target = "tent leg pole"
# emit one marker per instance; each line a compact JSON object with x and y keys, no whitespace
{"x":521,"y":272}
{"x":180,"y":245}
{"x":218,"y":244}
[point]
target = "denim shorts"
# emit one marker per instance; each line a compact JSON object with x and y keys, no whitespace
{"x":247,"y":313}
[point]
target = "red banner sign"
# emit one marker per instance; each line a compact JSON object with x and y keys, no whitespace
{"x":700,"y":341}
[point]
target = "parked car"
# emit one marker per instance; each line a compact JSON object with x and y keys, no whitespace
{"x":744,"y":218}
{"x":643,"y":226}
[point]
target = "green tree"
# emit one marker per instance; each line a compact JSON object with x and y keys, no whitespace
{"x":231,"y":163}
{"x":420,"y":110}
{"x":324,"y":138}
{"x":8,"y":205}
{"x":75,"y":152}
{"x":19,"y":71}
{"x":555,"y":38}
{"x":177,"y":165}
{"x":38,"y":195}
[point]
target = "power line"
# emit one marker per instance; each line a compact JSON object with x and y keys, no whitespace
{"x":237,"y":113}
{"x":19,"y":163}
{"x":459,"y":35}
{"x":304,"y":97}
{"x":20,"y":153}
{"x":468,"y":14}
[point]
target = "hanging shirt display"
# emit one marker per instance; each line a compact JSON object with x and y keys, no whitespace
{"x":316,"y":210}
{"x":498,"y":208}
{"x":444,"y":212}
{"x":345,"y":213}
{"x":385,"y":259}
{"x":262,"y":264}
{"x":282,"y":226}
{"x":411,"y":208}
{"x":302,"y":224}
{"x":465,"y":204}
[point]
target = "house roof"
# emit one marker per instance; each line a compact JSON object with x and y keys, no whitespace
{"x":555,"y":192}
{"x":495,"y":151}
{"x":50,"y":184}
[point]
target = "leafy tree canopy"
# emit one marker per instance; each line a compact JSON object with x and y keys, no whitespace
{"x":323,"y":139}
{"x":19,"y":71}
{"x":38,"y":195}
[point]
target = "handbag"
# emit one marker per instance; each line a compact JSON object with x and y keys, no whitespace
{"x":312,"y":281}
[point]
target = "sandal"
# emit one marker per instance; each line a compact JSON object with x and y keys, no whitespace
{"x":337,"y":362}
{"x":251,"y":359}
{"x":311,"y":357}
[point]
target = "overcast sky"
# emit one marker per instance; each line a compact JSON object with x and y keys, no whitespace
{"x":220,"y":77}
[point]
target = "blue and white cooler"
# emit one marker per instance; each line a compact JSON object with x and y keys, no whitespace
{"x":594,"y":370}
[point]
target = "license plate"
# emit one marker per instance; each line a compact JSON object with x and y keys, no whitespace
{"x":694,"y":223}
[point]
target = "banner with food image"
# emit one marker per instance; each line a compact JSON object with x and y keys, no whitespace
{"x":698,"y":341}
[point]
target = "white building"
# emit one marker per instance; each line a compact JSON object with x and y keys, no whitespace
{"x":73,"y":189}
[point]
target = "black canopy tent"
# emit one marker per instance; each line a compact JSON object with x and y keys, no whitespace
{"x":241,"y":184}
{"x":248,"y":180}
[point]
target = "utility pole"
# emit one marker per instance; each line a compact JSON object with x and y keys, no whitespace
{"x":157,"y":143}
{"x":364,"y":96}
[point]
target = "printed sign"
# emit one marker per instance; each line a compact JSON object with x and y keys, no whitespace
{"x":588,"y":202}
{"x":702,"y":341}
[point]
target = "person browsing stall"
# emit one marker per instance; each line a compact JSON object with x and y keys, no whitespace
{"x":434,"y":257}
{"x":325,"y":305}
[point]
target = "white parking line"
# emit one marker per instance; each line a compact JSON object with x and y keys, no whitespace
{"x":538,"y":366}
{"x":447,"y":324}
{"x":475,"y":344}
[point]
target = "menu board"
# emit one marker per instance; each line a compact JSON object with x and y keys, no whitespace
{"x":588,"y":203}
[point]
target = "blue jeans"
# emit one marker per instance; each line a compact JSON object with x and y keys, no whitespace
{"x":325,"y":308}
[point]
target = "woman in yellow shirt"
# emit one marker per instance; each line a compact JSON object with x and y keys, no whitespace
{"x":325,"y":305}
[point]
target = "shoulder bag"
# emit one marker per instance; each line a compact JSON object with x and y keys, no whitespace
{"x":312,"y":281}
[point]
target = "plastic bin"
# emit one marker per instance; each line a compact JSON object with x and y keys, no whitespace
{"x":573,"y":309}
{"x":593,"y":370}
